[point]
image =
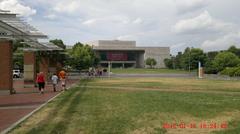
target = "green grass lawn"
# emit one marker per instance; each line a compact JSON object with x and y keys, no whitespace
{"x":138,"y":106}
{"x":146,"y":71}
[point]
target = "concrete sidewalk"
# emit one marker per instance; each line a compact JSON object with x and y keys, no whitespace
{"x":14,"y":107}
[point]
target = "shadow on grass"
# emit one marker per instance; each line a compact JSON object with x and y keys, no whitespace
{"x":48,"y":125}
{"x":62,"y":126}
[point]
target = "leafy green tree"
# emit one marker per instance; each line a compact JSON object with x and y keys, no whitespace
{"x":234,"y":50}
{"x":225,"y":59}
{"x":210,"y":68}
{"x":169,"y":63}
{"x":177,"y":61}
{"x":59,"y":43}
{"x":185,"y":59}
{"x":151,"y":62}
{"x":191,"y":57}
{"x":18,"y":53}
{"x":212,"y":55}
{"x":19,"y":44}
{"x":83,"y":56}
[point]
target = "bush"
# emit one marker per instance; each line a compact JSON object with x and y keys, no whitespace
{"x":210,"y":68}
{"x":237,"y":72}
{"x":151,"y":62}
{"x":231,"y":71}
{"x":224,"y":60}
{"x":168,"y":63}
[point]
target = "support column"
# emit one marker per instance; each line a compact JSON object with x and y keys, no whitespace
{"x":109,"y":68}
{"x":59,"y":67}
{"x":29,"y":68}
{"x":52,"y":66}
{"x":6,"y":61}
{"x":43,"y":66}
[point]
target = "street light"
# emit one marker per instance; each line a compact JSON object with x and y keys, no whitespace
{"x":189,"y":61}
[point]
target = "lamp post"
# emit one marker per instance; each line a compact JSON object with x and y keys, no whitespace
{"x":109,"y":68}
{"x":200,"y":70}
{"x":189,"y":61}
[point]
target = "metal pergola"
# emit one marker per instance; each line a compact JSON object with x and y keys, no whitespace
{"x":14,"y":27}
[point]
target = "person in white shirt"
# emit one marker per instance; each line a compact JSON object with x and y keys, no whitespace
{"x":54,"y":81}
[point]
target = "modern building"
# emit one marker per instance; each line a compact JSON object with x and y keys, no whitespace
{"x":127,"y":54}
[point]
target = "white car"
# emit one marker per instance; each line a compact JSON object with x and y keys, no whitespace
{"x":16,"y":74}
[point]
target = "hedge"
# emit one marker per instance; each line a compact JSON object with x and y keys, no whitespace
{"x":231,"y":71}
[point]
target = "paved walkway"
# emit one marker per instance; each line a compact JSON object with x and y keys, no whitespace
{"x":14,"y":107}
{"x":162,"y":75}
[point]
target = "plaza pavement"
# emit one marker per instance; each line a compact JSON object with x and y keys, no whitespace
{"x":16,"y":106}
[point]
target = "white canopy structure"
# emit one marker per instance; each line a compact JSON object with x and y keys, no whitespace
{"x":14,"y":27}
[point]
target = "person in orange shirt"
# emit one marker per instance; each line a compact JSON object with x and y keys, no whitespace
{"x":62,"y":76}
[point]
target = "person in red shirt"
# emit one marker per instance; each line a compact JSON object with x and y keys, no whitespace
{"x":41,"y":82}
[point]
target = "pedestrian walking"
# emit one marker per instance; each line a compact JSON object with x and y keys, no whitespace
{"x":54,"y":81}
{"x":41,"y":82}
{"x":62,"y":76}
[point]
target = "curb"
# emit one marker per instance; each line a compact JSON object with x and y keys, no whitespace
{"x":30,"y":114}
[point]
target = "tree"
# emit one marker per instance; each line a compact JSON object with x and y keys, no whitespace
{"x":19,"y":44}
{"x":59,"y":43}
{"x":169,"y":63}
{"x":83,"y":56}
{"x":177,"y":61}
{"x":212,"y":55}
{"x":18,"y":53}
{"x":191,"y":57}
{"x":210,"y":68}
{"x":234,"y":50}
{"x":151,"y":62}
{"x":225,"y":59}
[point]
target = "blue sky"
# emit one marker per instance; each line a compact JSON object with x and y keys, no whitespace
{"x":207,"y":24}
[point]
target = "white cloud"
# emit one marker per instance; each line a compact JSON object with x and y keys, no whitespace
{"x":123,"y":19}
{"x":51,"y":16}
{"x":126,"y":37}
{"x":133,"y":36}
{"x":16,"y":6}
{"x":68,"y":6}
{"x":222,"y":43}
{"x":115,"y":19}
{"x":137,"y":21}
{"x":184,"y":6}
{"x":89,"y":22}
{"x":201,"y":24}
{"x":177,"y":46}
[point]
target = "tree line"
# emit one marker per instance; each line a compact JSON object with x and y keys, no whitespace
{"x":224,"y":62}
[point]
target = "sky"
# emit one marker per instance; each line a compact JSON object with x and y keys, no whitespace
{"x":207,"y":24}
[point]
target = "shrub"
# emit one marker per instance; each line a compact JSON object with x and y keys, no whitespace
{"x":151,"y":62}
{"x":225,"y":59}
{"x":231,"y":71}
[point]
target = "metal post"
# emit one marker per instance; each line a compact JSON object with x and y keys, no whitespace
{"x":200,"y":70}
{"x":109,"y":68}
{"x":189,"y":62}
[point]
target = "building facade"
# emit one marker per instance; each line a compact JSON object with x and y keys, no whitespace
{"x":126,"y":54}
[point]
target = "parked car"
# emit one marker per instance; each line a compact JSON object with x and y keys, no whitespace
{"x":16,"y":74}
